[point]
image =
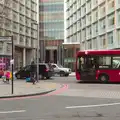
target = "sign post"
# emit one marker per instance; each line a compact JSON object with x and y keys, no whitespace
{"x":12,"y":66}
{"x":9,"y":39}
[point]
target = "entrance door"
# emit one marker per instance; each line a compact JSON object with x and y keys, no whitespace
{"x":87,"y":68}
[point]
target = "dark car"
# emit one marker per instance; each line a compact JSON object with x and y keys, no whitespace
{"x":44,"y":71}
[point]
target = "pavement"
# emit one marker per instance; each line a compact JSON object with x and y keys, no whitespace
{"x":72,"y":74}
{"x":23,"y":88}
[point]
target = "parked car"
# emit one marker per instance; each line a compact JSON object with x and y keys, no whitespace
{"x":59,"y":69}
{"x":44,"y":71}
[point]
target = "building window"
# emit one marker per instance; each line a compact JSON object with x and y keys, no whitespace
{"x":94,"y":43}
{"x":110,"y":38}
{"x":118,"y":36}
{"x":78,"y":13}
{"x":102,"y":25}
{"x":1,"y":45}
{"x":15,"y":5}
{"x":15,"y":25}
{"x":88,"y":6}
{"x":118,"y":16}
{"x":83,"y":34}
{"x":95,"y":16}
{"x":94,"y":2}
{"x":102,"y":10}
{"x":89,"y":44}
{"x":79,"y":37}
{"x":95,"y":29}
{"x":88,"y":21}
{"x":9,"y":47}
{"x":89,"y":31}
{"x":103,"y":41}
{"x":111,"y":20}
{"x":83,"y":10}
{"x":110,"y":4}
{"x":21,"y":39}
{"x":83,"y":21}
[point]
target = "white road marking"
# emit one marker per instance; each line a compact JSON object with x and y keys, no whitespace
{"x":16,"y":111}
{"x":91,"y":106}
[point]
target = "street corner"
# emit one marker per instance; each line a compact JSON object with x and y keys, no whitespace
{"x":27,"y":89}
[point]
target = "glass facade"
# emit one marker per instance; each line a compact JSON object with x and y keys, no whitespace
{"x":52,"y":19}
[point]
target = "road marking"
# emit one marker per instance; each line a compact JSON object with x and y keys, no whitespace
{"x":16,"y":111}
{"x":91,"y":106}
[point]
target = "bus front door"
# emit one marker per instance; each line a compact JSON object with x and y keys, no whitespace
{"x":88,"y":75}
{"x":88,"y":70}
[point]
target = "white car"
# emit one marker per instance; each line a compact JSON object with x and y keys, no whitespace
{"x":58,"y":69}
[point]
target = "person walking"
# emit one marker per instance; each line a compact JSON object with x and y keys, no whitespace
{"x":7,"y":75}
{"x":33,"y":72}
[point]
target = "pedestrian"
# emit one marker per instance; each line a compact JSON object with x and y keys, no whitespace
{"x":33,"y":72}
{"x":7,"y":75}
{"x":1,"y":73}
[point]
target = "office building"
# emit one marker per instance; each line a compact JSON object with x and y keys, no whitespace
{"x":17,"y":18}
{"x":93,"y":24}
{"x":51,"y":30}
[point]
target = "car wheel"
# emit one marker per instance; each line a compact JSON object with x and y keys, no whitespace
{"x":47,"y":77}
{"x":62,"y":73}
{"x":66,"y":75}
{"x":18,"y":76}
{"x":41,"y":77}
{"x":103,"y":78}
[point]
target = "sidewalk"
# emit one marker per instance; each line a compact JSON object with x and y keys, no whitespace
{"x":22,"y":88}
{"x":72,"y":74}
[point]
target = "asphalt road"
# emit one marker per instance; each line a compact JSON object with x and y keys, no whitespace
{"x":67,"y":105}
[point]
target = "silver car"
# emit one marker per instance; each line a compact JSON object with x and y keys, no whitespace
{"x":58,"y":69}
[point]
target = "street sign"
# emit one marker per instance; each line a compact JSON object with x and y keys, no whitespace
{"x":5,"y":38}
{"x":12,"y":62}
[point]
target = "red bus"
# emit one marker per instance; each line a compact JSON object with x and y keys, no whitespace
{"x":98,"y":65}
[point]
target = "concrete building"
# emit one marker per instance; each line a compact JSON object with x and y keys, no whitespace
{"x":51,"y":30}
{"x":16,"y":19}
{"x":93,"y":24}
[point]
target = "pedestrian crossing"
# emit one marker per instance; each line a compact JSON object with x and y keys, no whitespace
{"x":91,"y":93}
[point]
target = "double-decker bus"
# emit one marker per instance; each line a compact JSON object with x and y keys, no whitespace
{"x":98,"y":65}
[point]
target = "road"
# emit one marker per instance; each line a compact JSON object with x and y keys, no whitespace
{"x":78,"y":102}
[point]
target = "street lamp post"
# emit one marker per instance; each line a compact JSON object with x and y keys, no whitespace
{"x":37,"y":57}
{"x":38,"y":47}
{"x":38,"y":52}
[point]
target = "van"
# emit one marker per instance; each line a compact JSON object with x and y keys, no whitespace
{"x":44,"y":71}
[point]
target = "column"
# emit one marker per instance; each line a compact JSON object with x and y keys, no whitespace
{"x":51,"y":55}
{"x":24,"y":56}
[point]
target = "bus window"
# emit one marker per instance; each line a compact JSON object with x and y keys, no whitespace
{"x":116,"y":62}
{"x":105,"y":62}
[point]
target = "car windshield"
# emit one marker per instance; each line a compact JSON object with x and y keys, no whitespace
{"x":60,"y":66}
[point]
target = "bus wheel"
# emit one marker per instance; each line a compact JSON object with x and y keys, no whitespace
{"x":103,"y":78}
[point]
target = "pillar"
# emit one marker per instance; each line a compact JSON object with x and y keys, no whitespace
{"x":24,"y":56}
{"x":51,"y":55}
